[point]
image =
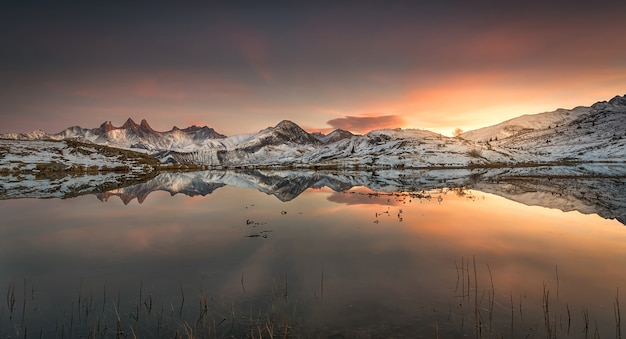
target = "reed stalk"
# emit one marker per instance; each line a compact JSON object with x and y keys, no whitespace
{"x":618,"y":317}
{"x":546,"y":310}
{"x":478,"y":326}
{"x":72,"y":318}
{"x":24,"y":325}
{"x":104,"y":297}
{"x":182,"y":301}
{"x":556,"y":267}
{"x":569,"y":318}
{"x":512,"y":317}
{"x":492,"y":296}
{"x":11,"y":299}
{"x":118,"y":323}
{"x":139,"y":301}
{"x":322,"y":284}
{"x":586,"y":319}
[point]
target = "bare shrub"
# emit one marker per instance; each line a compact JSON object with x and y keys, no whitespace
{"x":475,"y":153}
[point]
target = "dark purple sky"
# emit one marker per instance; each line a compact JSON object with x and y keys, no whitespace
{"x":350,"y":64}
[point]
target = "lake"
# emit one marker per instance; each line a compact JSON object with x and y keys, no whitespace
{"x":340,"y":255}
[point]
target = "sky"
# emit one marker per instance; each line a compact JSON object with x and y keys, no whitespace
{"x":239,"y":67}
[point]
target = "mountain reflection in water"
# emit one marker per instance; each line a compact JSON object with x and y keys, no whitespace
{"x":567,"y":189}
{"x":356,"y":254}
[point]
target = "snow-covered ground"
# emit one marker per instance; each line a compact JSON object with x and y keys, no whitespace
{"x":39,"y":156}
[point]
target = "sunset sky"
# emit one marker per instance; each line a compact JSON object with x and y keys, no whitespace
{"x":357,"y":65}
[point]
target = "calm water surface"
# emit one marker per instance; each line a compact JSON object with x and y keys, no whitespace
{"x":239,"y":262}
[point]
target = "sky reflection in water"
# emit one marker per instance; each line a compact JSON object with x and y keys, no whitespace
{"x":386,"y":261}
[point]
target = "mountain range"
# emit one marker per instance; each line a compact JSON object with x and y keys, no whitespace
{"x":583,"y":134}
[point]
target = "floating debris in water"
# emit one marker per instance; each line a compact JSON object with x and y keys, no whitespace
{"x":254,"y":223}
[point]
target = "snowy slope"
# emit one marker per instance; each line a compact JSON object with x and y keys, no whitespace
{"x":596,"y":133}
{"x":41,"y":156}
{"x":525,"y":124}
{"x":402,"y":148}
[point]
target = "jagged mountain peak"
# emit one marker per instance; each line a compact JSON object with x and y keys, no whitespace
{"x":334,"y":136}
{"x":130,"y":124}
{"x":105,"y":127}
{"x":287,"y":130}
{"x":341,"y":132}
{"x":287,"y":124}
{"x":201,"y":132}
{"x":144,"y":124}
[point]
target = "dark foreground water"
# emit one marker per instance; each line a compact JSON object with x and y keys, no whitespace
{"x":239,"y":262}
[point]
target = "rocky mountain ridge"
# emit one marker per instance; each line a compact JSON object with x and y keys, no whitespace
{"x":582,"y":134}
{"x":130,"y":136}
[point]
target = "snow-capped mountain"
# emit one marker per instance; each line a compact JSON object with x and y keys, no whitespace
{"x":582,"y":134}
{"x":130,"y":136}
{"x":284,"y":143}
{"x":334,"y":136}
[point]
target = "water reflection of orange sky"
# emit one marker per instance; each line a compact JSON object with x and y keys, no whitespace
{"x":367,"y":255}
{"x":524,"y":246}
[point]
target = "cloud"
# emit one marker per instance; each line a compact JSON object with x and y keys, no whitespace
{"x":364,"y":124}
{"x":252,"y":46}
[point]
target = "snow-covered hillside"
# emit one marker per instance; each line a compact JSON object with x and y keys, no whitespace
{"x":525,"y":124}
{"x":403,"y":149}
{"x":42,"y":156}
{"x":596,"y":133}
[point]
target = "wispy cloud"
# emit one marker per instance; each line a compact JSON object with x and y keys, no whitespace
{"x":252,"y":46}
